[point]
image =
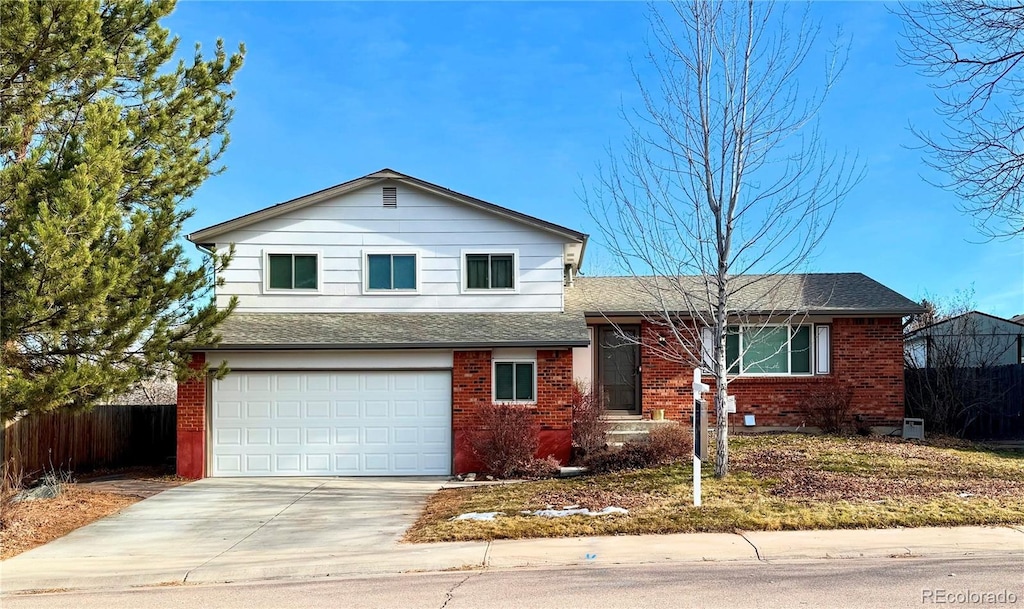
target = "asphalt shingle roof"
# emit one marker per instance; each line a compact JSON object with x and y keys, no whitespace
{"x":823,"y":293}
{"x":834,"y":293}
{"x":400,"y":330}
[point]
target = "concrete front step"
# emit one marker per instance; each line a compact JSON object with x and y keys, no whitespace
{"x":621,"y":431}
{"x":635,"y":425}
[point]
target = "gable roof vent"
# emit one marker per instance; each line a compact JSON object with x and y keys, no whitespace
{"x":390,"y":196}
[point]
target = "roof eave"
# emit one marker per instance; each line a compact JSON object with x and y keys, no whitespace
{"x":832,"y":312}
{"x":392,"y":346}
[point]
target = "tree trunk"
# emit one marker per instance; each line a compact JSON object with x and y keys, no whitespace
{"x":721,"y":385}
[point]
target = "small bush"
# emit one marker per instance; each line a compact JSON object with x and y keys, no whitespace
{"x":827,"y":407}
{"x":671,"y":442}
{"x":507,"y":439}
{"x":631,"y":455}
{"x":537,"y":469}
{"x":588,"y":424}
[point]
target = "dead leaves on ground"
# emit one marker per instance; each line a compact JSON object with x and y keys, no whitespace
{"x":28,"y":524}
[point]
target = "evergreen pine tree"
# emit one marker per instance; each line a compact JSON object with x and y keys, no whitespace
{"x":103,"y":138}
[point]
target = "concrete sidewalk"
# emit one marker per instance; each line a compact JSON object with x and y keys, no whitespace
{"x":260,"y":563}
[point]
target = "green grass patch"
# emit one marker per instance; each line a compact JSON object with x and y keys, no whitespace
{"x":778,"y":482}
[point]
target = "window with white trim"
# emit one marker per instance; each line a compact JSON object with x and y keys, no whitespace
{"x":769,"y":349}
{"x":822,"y":349}
{"x":390,"y":272}
{"x":772,"y":349}
{"x":292,"y":272}
{"x":490,"y":271}
{"x":515,"y":381}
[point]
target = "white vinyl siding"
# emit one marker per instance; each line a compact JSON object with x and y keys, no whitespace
{"x":439,"y":231}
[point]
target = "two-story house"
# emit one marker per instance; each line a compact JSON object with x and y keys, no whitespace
{"x":376,"y":316}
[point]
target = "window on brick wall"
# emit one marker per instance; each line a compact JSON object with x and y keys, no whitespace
{"x":772,"y":349}
{"x":515,"y":381}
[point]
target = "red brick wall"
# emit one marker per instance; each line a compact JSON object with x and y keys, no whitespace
{"x":867,"y":355}
{"x":471,"y":389}
{"x":665,"y":384}
{"x":192,"y":422}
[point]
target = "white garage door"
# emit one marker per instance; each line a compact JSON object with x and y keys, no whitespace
{"x":334,"y":423}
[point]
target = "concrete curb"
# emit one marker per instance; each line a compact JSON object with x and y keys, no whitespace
{"x":764,"y":546}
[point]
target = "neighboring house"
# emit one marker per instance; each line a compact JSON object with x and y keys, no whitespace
{"x":969,"y":340}
{"x":377,"y":316}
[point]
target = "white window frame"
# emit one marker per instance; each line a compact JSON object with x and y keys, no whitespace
{"x":822,"y":365}
{"x":789,"y":351}
{"x":284,"y":251}
{"x":464,"y":271}
{"x":365,"y":272}
{"x":494,"y":379}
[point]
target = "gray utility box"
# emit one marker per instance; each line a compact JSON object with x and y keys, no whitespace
{"x":913,"y":429}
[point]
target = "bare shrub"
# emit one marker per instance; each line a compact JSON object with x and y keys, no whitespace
{"x":507,"y":439}
{"x":827,"y":407}
{"x":548,"y":467}
{"x":589,"y":428}
{"x":12,"y":482}
{"x":631,"y":455}
{"x":671,"y":442}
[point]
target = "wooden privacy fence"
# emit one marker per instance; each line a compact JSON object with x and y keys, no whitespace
{"x":106,"y":436}
{"x":976,"y":403}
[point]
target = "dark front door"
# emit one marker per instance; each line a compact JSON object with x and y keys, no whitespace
{"x":619,"y":368}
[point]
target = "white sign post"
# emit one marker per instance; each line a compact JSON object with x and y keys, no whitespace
{"x":698,"y":439}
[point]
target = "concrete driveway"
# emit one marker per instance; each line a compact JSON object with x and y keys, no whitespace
{"x":234,"y":528}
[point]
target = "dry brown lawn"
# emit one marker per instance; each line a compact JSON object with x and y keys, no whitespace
{"x":777,"y":482}
{"x":28,"y":524}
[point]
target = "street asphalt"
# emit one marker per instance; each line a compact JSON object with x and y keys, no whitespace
{"x":831,"y":583}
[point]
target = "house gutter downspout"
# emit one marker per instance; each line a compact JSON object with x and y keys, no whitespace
{"x":203,"y":249}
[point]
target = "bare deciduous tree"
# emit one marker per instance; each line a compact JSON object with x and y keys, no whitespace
{"x":725,"y":187}
{"x":974,"y":51}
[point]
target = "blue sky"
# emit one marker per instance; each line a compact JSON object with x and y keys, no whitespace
{"x":517,"y":103}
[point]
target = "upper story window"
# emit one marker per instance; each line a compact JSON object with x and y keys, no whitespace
{"x":391,"y":272}
{"x":490,"y":271}
{"x":769,"y":349}
{"x":292,"y":272}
